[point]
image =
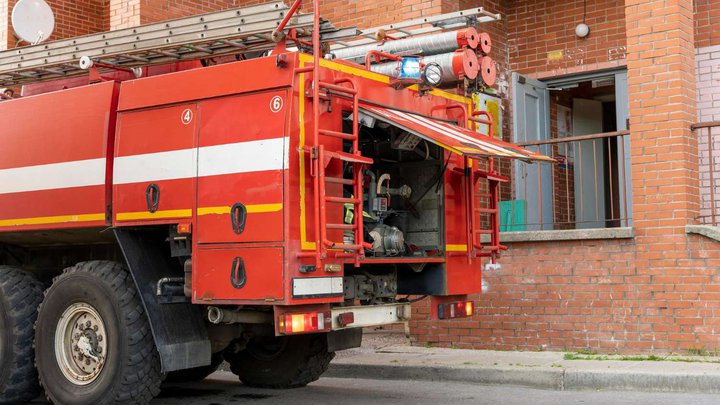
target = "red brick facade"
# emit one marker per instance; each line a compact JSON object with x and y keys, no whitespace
{"x":658,"y":291}
{"x":707,"y":18}
{"x":542,"y":35}
{"x":72,"y":18}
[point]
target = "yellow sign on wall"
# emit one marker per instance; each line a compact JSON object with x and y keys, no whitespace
{"x":493,"y":105}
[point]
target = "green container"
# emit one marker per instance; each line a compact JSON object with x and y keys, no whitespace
{"x":512,"y":216}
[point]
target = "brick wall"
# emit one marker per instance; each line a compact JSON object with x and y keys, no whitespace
{"x":72,"y":18}
{"x":124,"y":14}
{"x":161,"y":10}
{"x":4,"y":24}
{"x":340,"y":12}
{"x":599,"y":295}
{"x":542,"y":35}
{"x":707,"y":18}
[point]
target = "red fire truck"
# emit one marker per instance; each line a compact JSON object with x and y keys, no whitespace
{"x":261,"y":211}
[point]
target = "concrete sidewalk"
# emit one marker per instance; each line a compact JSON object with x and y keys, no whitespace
{"x":547,"y":370}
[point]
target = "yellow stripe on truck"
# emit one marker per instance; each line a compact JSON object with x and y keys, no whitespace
{"x":59,"y":219}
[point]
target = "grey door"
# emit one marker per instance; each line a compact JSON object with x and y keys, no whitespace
{"x":625,"y":189}
{"x":531,"y":122}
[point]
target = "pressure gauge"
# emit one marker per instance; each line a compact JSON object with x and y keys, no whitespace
{"x":432,"y":74}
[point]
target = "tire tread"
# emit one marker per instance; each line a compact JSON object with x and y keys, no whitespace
{"x":314,"y":363}
{"x":23,"y":294}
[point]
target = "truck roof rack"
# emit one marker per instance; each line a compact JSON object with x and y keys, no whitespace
{"x":236,"y":31}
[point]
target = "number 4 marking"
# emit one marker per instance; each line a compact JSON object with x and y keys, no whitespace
{"x":187,"y":116}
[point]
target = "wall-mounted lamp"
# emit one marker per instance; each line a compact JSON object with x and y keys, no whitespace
{"x":582,"y":30}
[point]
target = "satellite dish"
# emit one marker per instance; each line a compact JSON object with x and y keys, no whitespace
{"x":33,"y":21}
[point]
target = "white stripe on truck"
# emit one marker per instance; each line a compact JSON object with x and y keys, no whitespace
{"x":239,"y":157}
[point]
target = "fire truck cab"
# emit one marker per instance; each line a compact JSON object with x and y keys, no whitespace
{"x":260,"y":212}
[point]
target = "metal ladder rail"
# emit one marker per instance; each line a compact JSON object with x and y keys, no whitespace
{"x":320,"y":158}
{"x":357,"y":160}
{"x":493,"y":210}
{"x":421,"y":26}
{"x":236,"y":31}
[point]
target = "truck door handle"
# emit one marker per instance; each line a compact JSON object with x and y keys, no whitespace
{"x":238,"y":276}
{"x":152,"y":197}
{"x":238,"y":216}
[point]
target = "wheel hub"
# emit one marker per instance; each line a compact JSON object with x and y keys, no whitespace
{"x":81,"y":343}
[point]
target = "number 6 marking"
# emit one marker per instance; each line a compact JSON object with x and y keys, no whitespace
{"x":276,"y":104}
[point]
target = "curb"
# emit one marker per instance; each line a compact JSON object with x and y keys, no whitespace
{"x":549,"y":379}
{"x":633,"y":381}
{"x":559,"y":379}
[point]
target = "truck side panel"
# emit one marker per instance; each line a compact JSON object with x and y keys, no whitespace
{"x":53,"y":159}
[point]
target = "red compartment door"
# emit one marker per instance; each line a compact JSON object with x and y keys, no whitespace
{"x":241,"y":164}
{"x":155,"y":149}
{"x":238,"y":274}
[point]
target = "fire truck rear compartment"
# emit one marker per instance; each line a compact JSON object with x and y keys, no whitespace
{"x":402,"y":193}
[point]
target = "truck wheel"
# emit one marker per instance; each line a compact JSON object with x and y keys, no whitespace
{"x":93,"y":340}
{"x":197,"y":373}
{"x":282,"y":362}
{"x":20,"y":295}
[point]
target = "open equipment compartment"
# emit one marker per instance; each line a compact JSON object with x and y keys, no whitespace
{"x":403,"y":192}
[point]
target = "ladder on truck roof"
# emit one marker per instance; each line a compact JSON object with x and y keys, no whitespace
{"x":243,"y":30}
{"x":421,"y":26}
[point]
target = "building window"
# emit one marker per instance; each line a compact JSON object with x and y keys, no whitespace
{"x":581,"y":121}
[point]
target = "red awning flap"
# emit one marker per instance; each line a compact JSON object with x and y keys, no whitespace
{"x":452,"y":137}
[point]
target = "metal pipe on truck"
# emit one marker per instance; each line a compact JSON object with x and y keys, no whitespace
{"x":427,"y":45}
{"x":455,"y":65}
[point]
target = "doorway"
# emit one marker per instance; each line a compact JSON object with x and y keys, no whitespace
{"x":588,"y":187}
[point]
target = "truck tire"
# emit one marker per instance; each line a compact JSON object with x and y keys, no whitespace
{"x":196,"y":373}
{"x":281,"y":362}
{"x":90,"y":314}
{"x":20,"y":295}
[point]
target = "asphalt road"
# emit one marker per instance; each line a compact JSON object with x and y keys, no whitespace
{"x":223,"y":388}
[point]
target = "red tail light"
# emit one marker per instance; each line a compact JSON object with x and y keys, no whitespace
{"x":304,"y":323}
{"x":452,"y":310}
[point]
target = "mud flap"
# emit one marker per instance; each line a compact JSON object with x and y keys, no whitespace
{"x":344,"y":339}
{"x":180,"y":334}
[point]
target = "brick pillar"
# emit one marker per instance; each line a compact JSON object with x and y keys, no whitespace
{"x":4,"y":24}
{"x":124,"y":14}
{"x":661,"y":78}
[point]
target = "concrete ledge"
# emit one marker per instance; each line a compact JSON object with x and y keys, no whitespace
{"x":560,"y":379}
{"x":527,"y":377}
{"x":546,"y":370}
{"x":564,"y":235}
{"x":645,"y":381}
{"x":709,"y":231}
